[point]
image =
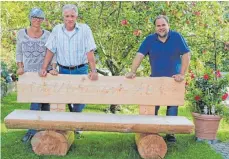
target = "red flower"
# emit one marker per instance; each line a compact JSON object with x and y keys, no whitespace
{"x":218,"y":74}
{"x":206,"y":77}
{"x":193,"y":3}
{"x":124,"y":22}
{"x":197,"y":98}
{"x":197,"y":13}
{"x":137,"y":32}
{"x":186,"y":83}
{"x":224,"y":97}
{"x":192,"y":76}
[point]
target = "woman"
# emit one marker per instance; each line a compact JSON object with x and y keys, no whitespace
{"x":30,"y":53}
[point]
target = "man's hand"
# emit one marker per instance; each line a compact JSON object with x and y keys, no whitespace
{"x":93,"y":76}
{"x":178,"y":77}
{"x":43,"y":73}
{"x":54,"y":72}
{"x":130,"y":75}
{"x":20,"y":71}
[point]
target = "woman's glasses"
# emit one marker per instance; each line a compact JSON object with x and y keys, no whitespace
{"x":37,"y":18}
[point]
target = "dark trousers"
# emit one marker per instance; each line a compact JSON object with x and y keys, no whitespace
{"x":171,"y":110}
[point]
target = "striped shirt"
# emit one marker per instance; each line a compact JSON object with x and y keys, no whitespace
{"x":71,"y":49}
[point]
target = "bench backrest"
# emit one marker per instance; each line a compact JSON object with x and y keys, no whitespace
{"x":106,"y":90}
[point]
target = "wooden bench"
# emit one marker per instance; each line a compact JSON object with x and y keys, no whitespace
{"x":57,"y":126}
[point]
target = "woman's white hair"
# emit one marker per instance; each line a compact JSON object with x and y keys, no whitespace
{"x":70,"y":7}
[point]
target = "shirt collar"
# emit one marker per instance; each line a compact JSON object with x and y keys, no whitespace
{"x":76,"y":27}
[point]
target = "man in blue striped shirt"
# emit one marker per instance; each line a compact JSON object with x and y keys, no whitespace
{"x":74,"y":46}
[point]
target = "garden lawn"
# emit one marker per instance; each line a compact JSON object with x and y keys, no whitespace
{"x":104,"y":145}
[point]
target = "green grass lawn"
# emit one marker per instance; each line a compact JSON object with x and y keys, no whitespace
{"x":103,"y":145}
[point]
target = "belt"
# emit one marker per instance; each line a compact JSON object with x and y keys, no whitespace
{"x":72,"y":67}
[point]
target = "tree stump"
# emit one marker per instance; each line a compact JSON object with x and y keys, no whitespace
{"x":52,"y":142}
{"x":151,"y":146}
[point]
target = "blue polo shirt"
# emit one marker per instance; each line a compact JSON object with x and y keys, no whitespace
{"x":165,"y":58}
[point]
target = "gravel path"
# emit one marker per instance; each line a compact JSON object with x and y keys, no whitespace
{"x":222,"y":148}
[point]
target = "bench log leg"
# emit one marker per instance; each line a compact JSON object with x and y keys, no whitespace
{"x":53,"y":142}
{"x":150,"y":145}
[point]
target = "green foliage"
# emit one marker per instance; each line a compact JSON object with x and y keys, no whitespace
{"x":8,"y":60}
{"x":3,"y":87}
{"x":5,"y":72}
{"x":203,"y":24}
{"x":5,"y":78}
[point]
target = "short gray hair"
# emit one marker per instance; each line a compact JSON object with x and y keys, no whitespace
{"x":161,"y":17}
{"x":70,"y":7}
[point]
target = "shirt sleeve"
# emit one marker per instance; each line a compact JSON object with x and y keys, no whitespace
{"x":183,"y":45}
{"x":54,"y":59}
{"x":19,"y":54}
{"x":90,"y":42}
{"x":144,"y":49}
{"x":51,"y":42}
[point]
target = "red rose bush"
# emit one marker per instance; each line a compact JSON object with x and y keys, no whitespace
{"x":206,"y":92}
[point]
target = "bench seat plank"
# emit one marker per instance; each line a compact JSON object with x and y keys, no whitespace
{"x":41,"y":120}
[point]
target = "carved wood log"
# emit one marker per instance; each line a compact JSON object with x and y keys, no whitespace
{"x":52,"y":142}
{"x":44,"y":120}
{"x":150,"y":146}
{"x":107,"y":90}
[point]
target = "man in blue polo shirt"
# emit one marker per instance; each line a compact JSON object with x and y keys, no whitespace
{"x":169,"y":57}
